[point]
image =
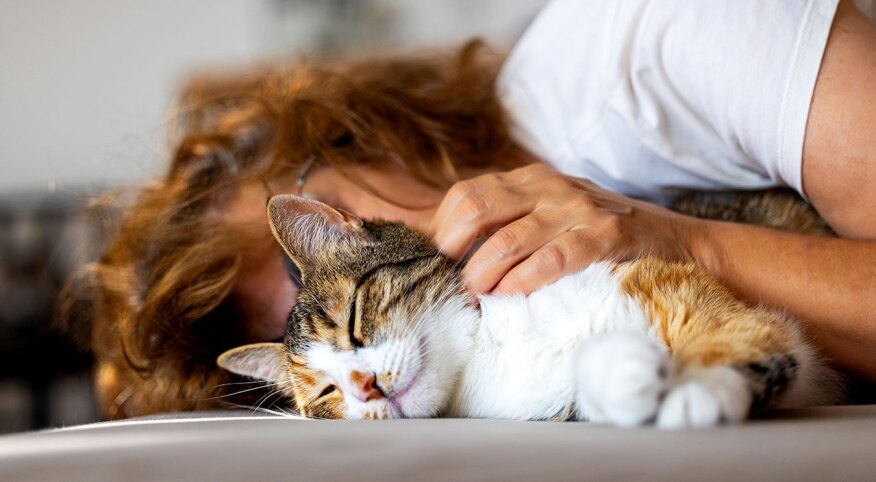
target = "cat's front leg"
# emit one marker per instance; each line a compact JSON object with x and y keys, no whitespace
{"x":621,"y":378}
{"x":703,"y":397}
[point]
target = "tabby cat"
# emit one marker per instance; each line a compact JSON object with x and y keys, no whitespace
{"x":383,"y":329}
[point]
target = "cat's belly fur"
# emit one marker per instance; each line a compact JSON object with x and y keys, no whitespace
{"x":525,"y":347}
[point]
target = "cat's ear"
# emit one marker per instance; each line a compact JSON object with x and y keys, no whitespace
{"x":263,"y":361}
{"x":305,"y":226}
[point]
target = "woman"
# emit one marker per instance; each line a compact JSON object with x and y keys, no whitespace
{"x":646,"y":98}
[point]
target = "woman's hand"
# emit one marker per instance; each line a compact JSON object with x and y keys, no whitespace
{"x":541,"y":225}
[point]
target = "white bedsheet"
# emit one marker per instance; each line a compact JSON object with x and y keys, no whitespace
{"x":835,"y":443}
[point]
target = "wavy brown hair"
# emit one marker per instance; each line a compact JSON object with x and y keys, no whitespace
{"x":163,"y":291}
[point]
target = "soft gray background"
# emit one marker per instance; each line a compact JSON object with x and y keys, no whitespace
{"x":85,"y":85}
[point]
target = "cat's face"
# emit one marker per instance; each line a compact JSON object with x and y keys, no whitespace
{"x":381,"y":328}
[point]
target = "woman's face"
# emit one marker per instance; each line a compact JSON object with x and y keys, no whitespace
{"x":265,"y":285}
{"x":399,"y":188}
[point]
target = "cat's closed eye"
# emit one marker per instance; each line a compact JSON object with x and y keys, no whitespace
{"x":327,"y":390}
{"x":351,"y":326}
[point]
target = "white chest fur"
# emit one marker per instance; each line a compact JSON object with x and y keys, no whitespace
{"x":523,"y":354}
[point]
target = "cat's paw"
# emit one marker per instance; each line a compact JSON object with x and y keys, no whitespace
{"x":621,"y":377}
{"x":705,"y":397}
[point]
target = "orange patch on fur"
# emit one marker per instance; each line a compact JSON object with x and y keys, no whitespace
{"x":698,"y":318}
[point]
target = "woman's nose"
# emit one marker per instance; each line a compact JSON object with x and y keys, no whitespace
{"x":365,"y":386}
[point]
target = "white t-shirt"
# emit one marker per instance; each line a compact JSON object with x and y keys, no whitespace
{"x":652,"y":98}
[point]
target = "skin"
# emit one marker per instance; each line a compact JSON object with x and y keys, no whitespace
{"x":828,"y":283}
{"x":264,"y":284}
{"x":537,"y":225}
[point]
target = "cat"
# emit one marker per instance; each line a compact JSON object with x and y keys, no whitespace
{"x":384,"y":329}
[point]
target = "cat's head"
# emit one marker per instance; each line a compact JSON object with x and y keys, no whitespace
{"x":382,"y":327}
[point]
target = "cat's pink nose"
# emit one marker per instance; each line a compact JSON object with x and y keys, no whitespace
{"x":365,"y":386}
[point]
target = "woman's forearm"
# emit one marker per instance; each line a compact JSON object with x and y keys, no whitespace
{"x":828,"y":283}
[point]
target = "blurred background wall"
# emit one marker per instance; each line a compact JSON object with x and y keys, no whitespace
{"x":85,"y":85}
{"x":85,"y":88}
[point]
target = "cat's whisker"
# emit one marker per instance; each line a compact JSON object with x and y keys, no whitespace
{"x":239,"y":383}
{"x":287,"y":413}
{"x":264,"y":385}
{"x":396,"y":354}
{"x":262,"y":410}
{"x":236,"y":405}
{"x":265,"y":398}
{"x":275,"y":412}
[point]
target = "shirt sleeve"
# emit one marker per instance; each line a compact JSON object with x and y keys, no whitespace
{"x":650,"y":96}
{"x":745,"y":69}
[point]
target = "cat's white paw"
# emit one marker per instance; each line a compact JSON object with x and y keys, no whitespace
{"x":705,"y":397}
{"x":621,"y":377}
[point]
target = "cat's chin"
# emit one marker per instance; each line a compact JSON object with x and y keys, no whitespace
{"x":447,"y":347}
{"x":397,"y":408}
{"x":412,"y":401}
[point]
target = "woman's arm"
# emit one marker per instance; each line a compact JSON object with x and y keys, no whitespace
{"x":839,"y":150}
{"x":541,"y":225}
{"x":828,"y":283}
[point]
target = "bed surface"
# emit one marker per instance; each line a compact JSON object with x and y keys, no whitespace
{"x":832,"y":443}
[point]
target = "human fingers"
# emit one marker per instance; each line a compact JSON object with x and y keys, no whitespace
{"x":508,"y":246}
{"x":568,"y":253}
{"x":477,"y":206}
{"x":473,"y":209}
